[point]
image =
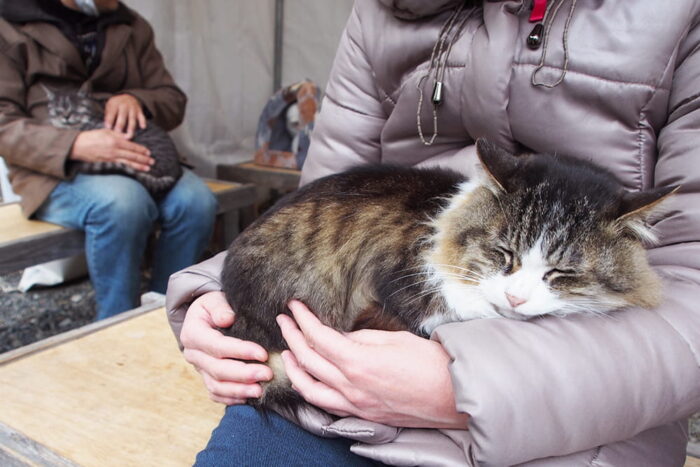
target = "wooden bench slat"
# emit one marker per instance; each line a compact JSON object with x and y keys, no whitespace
{"x":120,"y":396}
{"x":26,"y":242}
{"x":13,"y":226}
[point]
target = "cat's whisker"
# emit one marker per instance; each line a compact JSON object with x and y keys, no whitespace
{"x":409,"y":275}
{"x":425,"y":293}
{"x":408,"y":286}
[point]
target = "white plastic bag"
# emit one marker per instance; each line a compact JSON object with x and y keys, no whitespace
{"x":53,"y":273}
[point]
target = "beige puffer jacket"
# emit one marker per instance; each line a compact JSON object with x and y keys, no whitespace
{"x":553,"y":392}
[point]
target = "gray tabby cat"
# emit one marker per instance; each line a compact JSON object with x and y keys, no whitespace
{"x":78,"y":110}
{"x":409,"y":249}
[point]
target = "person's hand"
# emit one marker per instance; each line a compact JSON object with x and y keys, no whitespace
{"x":216,"y":357}
{"x":395,"y":378}
{"x":123,"y":113}
{"x":109,"y":146}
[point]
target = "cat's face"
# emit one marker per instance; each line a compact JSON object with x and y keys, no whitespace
{"x":71,"y":109}
{"x":545,"y":237}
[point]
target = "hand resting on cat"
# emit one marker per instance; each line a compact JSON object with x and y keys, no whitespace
{"x":123,"y":113}
{"x":106,"y":145}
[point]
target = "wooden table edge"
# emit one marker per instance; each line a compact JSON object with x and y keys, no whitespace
{"x":88,"y":329}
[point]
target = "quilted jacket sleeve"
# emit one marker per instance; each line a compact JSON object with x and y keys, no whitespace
{"x":186,"y":285}
{"x":553,"y":386}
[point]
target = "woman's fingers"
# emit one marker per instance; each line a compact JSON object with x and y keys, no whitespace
{"x":226,"y":369}
{"x":230,"y":390}
{"x":314,"y":391}
{"x":307,"y":357}
{"x":326,"y":341}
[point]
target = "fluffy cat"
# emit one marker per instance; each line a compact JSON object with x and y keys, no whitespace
{"x":408,"y":249}
{"x":78,"y":110}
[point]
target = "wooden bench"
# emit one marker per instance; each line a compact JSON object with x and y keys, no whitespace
{"x":25,"y":242}
{"x":113,"y":393}
{"x":270,"y":182}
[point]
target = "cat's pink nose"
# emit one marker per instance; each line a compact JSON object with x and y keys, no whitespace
{"x":515,"y":301}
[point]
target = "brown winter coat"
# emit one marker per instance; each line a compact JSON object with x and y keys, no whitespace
{"x":37,"y":53}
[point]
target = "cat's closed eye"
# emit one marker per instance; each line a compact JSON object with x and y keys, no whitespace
{"x":507,"y":257}
{"x":559,"y":276}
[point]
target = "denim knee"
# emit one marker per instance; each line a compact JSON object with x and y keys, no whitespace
{"x":189,"y":203}
{"x":130,"y":212}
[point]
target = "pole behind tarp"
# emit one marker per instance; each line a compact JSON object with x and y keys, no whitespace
{"x":279,"y":33}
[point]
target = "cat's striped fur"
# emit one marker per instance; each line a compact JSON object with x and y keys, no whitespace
{"x":400,"y":248}
{"x":78,"y":110}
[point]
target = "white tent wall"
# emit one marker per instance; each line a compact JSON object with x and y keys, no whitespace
{"x":221,"y":53}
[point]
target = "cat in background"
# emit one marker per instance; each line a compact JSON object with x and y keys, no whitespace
{"x":78,"y":110}
{"x":399,"y":248}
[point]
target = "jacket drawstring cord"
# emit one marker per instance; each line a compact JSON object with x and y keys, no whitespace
{"x":565,"y":41}
{"x":449,"y":34}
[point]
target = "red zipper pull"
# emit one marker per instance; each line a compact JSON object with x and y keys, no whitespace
{"x":539,"y":7}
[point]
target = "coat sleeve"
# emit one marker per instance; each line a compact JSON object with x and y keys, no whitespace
{"x":186,"y":285}
{"x":159,"y":95}
{"x":557,"y":386}
{"x":351,"y":101}
{"x":24,"y":141}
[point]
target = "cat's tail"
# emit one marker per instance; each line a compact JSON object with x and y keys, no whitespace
{"x":278,"y":395}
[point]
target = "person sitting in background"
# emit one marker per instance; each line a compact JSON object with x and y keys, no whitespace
{"x":104,"y":49}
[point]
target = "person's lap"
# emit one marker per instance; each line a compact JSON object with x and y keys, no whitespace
{"x":245,"y":438}
{"x":118,"y":214}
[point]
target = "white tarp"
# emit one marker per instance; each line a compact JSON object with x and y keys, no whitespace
{"x":221,"y":54}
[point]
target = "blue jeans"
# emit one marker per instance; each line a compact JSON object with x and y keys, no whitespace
{"x":117,"y":215}
{"x":244,"y":438}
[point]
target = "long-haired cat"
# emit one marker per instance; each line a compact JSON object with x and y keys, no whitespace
{"x":408,"y":249}
{"x":78,"y":110}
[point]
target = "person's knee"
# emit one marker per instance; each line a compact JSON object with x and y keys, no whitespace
{"x":126,"y":210}
{"x":191,"y":203}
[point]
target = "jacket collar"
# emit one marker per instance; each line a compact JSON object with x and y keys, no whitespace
{"x":45,"y":32}
{"x":417,"y":9}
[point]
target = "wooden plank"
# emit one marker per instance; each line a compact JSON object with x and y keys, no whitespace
{"x":237,"y":197}
{"x":151,"y":300}
{"x":26,"y":242}
{"x":120,"y":396}
{"x":692,"y":462}
{"x":40,"y":248}
{"x":14,"y":226}
{"x":284,"y":180}
{"x":18,"y":450}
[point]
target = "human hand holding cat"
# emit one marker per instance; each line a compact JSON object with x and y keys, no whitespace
{"x":123,"y":113}
{"x":395,"y":378}
{"x":217,"y":357}
{"x":109,"y":146}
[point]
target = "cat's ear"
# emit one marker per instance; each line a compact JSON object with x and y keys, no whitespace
{"x":636,"y":208}
{"x":499,"y":164}
{"x":49,"y":93}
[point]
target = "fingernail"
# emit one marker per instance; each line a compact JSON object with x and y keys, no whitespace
{"x":262,"y":376}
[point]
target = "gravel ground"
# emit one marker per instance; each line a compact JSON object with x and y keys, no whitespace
{"x":41,"y":313}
